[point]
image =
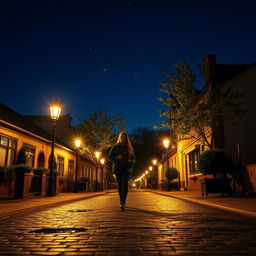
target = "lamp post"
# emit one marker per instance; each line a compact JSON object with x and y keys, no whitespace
{"x":55,"y":109}
{"x":77,"y":145}
{"x":146,"y":179}
{"x":97,"y":155}
{"x":102,"y":161}
{"x":166,"y":143}
{"x":150,"y":168}
{"x":154,"y":162}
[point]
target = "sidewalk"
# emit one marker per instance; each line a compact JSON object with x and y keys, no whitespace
{"x":16,"y":206}
{"x":241,"y":204}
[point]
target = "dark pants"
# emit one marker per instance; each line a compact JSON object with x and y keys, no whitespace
{"x":122,"y":180}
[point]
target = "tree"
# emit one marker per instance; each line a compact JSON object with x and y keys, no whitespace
{"x":147,"y":145}
{"x":193,"y":112}
{"x":99,"y":131}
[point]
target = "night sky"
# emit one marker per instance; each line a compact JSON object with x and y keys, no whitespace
{"x":113,"y":54}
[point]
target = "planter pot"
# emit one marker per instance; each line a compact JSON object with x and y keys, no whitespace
{"x":216,"y":186}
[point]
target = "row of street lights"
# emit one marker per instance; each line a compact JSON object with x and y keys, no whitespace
{"x":148,"y":171}
{"x":55,"y":110}
{"x":166,"y":145}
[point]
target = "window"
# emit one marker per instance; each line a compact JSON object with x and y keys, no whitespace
{"x":193,"y":161}
{"x":71,"y":165}
{"x":30,"y":154}
{"x":60,"y":165}
{"x":7,"y":150}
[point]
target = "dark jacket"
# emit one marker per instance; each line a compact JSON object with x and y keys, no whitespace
{"x":116,"y":165}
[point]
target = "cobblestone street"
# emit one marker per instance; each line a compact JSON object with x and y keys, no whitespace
{"x":152,"y":224}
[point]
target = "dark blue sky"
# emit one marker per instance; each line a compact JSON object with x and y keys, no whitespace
{"x":113,"y":54}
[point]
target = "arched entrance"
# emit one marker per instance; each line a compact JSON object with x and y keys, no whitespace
{"x":41,"y":160}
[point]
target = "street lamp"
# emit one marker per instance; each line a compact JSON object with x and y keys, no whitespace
{"x":166,"y":143}
{"x":146,"y":179}
{"x":154,"y":162}
{"x":55,"y":109}
{"x":77,"y":145}
{"x":102,"y":161}
{"x":97,"y":155}
{"x":150,"y":176}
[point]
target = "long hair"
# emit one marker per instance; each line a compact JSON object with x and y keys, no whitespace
{"x":128,"y":142}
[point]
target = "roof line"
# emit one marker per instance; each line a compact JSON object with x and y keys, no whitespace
{"x":34,"y":135}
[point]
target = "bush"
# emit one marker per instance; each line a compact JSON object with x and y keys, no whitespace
{"x":214,"y":162}
{"x":22,"y":168}
{"x":10,"y":173}
{"x":173,"y":173}
{"x":39,"y":171}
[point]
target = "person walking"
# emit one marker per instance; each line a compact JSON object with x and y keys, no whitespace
{"x":123,"y":158}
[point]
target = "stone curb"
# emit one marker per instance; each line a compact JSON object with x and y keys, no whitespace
{"x":47,"y":205}
{"x":214,"y":205}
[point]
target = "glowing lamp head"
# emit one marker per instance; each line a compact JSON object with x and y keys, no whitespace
{"x":55,"y":109}
{"x":150,"y":168}
{"x":78,"y":142}
{"x":154,"y":161}
{"x":102,"y":161}
{"x":146,"y":172}
{"x":97,"y":154}
{"x":166,"y":143}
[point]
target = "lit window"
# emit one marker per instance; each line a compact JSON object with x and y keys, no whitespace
{"x":60,"y":165}
{"x":30,"y":154}
{"x":70,"y":167}
{"x":7,"y":150}
{"x":193,"y":161}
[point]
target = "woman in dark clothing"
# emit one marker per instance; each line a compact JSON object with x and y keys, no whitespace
{"x":123,"y":158}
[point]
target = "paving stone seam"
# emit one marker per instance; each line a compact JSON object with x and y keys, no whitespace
{"x":218,"y":206}
{"x":47,"y":205}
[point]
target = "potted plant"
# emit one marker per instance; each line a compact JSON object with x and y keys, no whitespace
{"x":173,"y":174}
{"x":217,"y":163}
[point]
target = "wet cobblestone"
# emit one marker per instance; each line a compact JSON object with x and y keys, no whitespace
{"x":152,"y":224}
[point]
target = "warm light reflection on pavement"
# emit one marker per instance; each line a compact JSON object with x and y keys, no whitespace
{"x":152,"y":224}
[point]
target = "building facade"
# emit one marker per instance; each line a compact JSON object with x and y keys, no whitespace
{"x":237,"y":138}
{"x":17,"y":132}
